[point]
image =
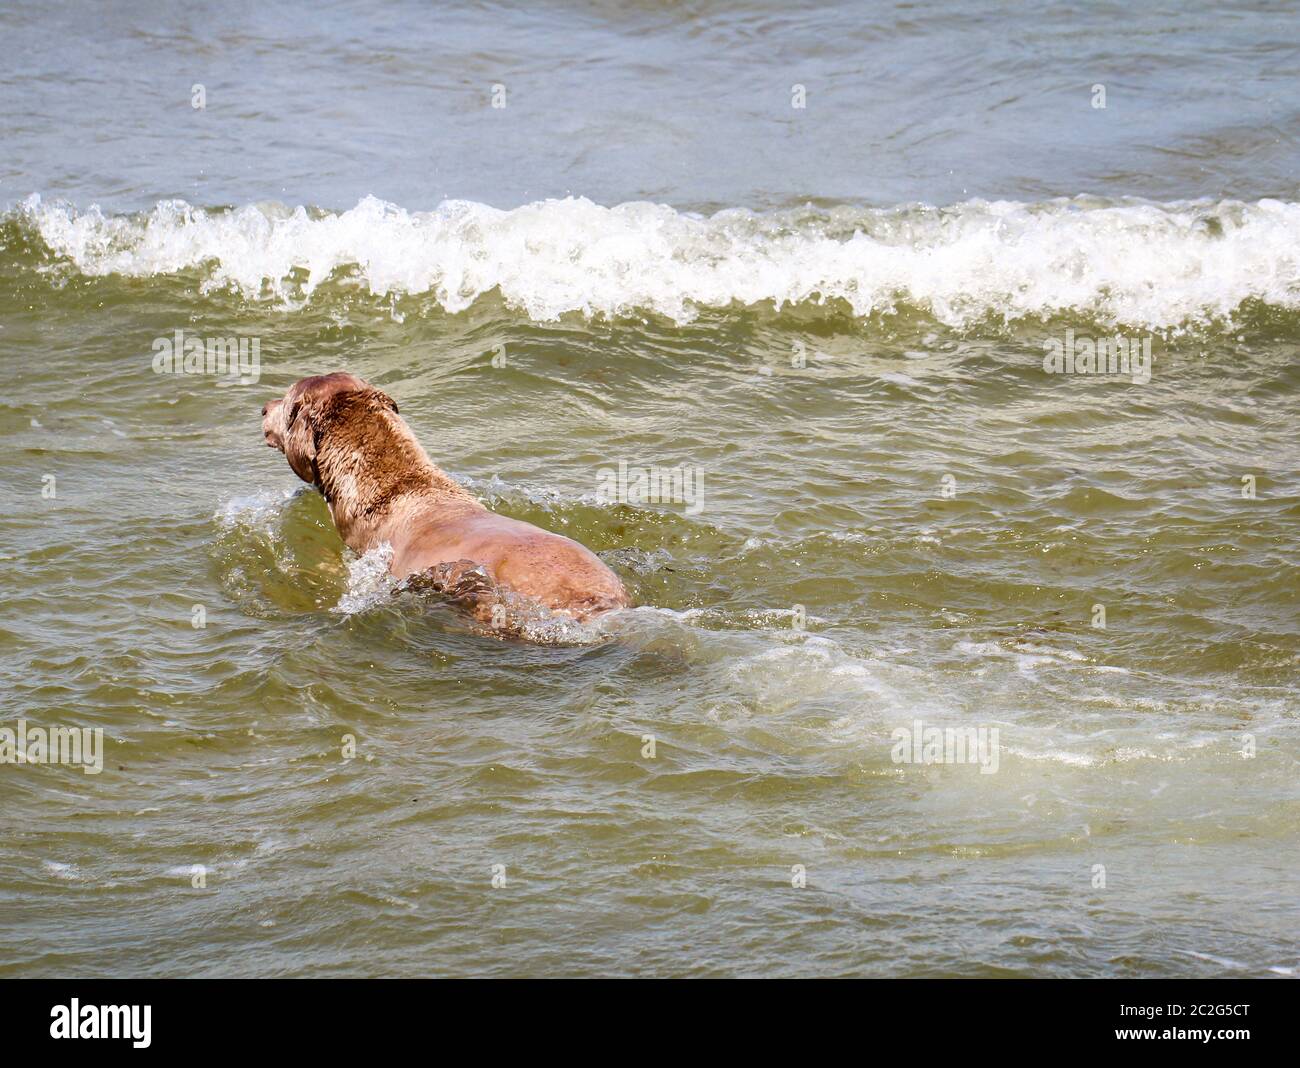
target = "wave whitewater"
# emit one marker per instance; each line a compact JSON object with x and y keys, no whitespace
{"x":1133,"y":263}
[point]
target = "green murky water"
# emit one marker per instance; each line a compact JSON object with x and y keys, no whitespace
{"x":903,"y":520}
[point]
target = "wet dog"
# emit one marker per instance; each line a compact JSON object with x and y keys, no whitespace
{"x":347,"y":439}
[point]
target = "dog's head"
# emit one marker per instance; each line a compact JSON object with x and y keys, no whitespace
{"x":295,"y":422}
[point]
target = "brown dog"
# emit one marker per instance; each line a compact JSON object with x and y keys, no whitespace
{"x":346,"y":438}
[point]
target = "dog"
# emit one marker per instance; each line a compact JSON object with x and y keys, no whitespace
{"x":347,"y":439}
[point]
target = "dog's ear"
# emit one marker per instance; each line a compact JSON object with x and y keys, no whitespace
{"x":300,"y":439}
{"x":385,"y":400}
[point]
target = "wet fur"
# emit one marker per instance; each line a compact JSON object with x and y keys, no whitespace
{"x":349,"y":440}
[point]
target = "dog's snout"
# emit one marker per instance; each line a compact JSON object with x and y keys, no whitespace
{"x":264,"y":408}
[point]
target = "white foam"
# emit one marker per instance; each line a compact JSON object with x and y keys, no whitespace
{"x":369,"y":581}
{"x":898,"y":378}
{"x":805,"y":667}
{"x":1124,"y":262}
{"x":1222,"y":962}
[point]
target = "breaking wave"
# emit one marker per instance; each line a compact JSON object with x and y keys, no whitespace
{"x":1129,"y":262}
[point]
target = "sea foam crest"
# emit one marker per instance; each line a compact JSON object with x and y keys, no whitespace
{"x":1127,"y":262}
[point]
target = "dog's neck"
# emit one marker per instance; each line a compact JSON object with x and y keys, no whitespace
{"x":371,"y":470}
